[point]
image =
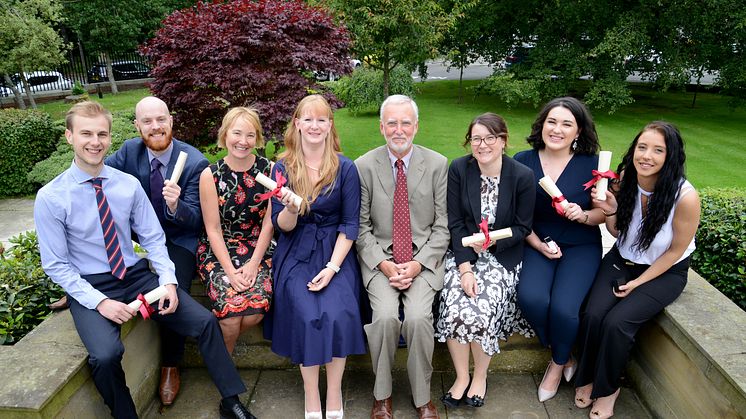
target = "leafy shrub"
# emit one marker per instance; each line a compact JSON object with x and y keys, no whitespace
{"x":510,"y":90}
{"x":721,"y":242}
{"x":26,"y":137}
{"x":259,"y":53}
{"x":25,"y":290}
{"x":78,"y":89}
{"x":362,"y":91}
{"x":122,"y":129}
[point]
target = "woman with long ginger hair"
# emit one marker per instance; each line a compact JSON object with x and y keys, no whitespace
{"x":316,"y":317}
{"x":654,"y":216}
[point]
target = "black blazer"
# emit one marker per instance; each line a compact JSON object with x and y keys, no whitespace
{"x":515,"y":208}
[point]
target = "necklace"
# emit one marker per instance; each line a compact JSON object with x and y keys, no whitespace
{"x":311,"y":167}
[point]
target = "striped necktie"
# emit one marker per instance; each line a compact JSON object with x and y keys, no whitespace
{"x":116,"y":260}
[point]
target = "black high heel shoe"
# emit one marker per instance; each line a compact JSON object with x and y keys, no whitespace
{"x":476,"y":400}
{"x":449,"y":401}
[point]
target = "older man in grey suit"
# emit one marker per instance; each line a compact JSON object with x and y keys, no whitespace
{"x":403,"y":237}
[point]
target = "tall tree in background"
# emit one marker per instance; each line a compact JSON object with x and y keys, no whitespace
{"x":260,"y":53}
{"x":28,"y":41}
{"x":388,"y":33}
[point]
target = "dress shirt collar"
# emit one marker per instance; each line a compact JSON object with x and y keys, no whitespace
{"x":81,"y":177}
{"x":407,"y":157}
{"x":163,"y":158}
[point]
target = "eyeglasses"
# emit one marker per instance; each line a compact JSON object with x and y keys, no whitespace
{"x":489,"y":140}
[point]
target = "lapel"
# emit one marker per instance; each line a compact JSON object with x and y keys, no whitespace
{"x":385,"y":173}
{"x":504,"y":188}
{"x":143,"y":168}
{"x":172,"y":161}
{"x":474,"y":189}
{"x":415,"y":172}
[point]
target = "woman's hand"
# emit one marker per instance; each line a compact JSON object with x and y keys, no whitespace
{"x":547,"y":251}
{"x":608,"y":206}
{"x":469,"y":284}
{"x":574,"y":212}
{"x":627,"y":288}
{"x":236,"y":279}
{"x":321,"y":280}
{"x":478,"y":247}
{"x":287,"y":200}
{"x":249,"y":271}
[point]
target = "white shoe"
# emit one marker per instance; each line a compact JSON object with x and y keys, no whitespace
{"x":312,"y":415}
{"x":337,"y":414}
{"x":545,"y":395}
{"x":569,"y":370}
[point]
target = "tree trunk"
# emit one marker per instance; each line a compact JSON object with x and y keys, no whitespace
{"x":461,"y":82}
{"x":16,"y":93}
{"x":110,"y":73}
{"x":696,"y":89}
{"x":27,"y":88}
{"x":386,"y":73}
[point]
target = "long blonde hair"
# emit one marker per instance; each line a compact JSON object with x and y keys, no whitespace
{"x":295,"y":163}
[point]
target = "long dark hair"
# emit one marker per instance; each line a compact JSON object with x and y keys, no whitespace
{"x":666,"y":190}
{"x":587,"y":136}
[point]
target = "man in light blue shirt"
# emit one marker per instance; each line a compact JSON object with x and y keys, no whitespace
{"x":77,"y":250}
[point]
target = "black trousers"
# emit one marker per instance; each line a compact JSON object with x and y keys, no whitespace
{"x":609,"y":324}
{"x":102,"y":340}
{"x":172,"y":344}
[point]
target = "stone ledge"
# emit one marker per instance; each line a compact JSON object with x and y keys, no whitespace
{"x":691,"y":361}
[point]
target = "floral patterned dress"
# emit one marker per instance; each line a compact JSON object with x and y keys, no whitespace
{"x":241,"y":221}
{"x":493,"y":314}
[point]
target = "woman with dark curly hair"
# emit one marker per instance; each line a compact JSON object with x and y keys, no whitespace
{"x":654,"y":215}
{"x":564,"y":246}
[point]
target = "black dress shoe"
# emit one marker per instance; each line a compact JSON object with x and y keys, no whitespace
{"x":475,"y":400}
{"x":236,"y":411}
{"x":449,"y":401}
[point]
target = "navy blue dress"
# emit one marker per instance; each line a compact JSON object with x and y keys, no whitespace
{"x":551,"y":291}
{"x":311,"y":327}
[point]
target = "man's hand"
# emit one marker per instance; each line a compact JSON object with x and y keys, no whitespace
{"x":171,"y":194}
{"x":405,"y":274}
{"x":115,"y":311}
{"x":171,"y":297}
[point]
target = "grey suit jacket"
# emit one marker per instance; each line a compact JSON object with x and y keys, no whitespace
{"x":427,"y":177}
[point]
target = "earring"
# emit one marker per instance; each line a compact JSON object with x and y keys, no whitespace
{"x":574,"y":144}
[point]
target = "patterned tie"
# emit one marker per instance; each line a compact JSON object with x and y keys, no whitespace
{"x":116,"y":261}
{"x":156,"y":187}
{"x":402,"y":233}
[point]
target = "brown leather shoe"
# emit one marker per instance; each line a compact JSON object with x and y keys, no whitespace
{"x":60,"y":304}
{"x":428,"y":411}
{"x":382,"y":409}
{"x":170,"y":383}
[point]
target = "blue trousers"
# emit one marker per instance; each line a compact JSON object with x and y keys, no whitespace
{"x":172,"y":344}
{"x":609,"y":324}
{"x":105,"y":349}
{"x":551,"y":292}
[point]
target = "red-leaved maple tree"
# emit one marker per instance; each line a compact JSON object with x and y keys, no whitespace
{"x":260,"y":53}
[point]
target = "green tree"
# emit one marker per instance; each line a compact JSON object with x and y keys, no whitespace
{"x":387,"y":34}
{"x":28,"y":41}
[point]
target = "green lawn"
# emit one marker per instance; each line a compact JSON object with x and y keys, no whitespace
{"x":124,"y":101}
{"x":713,"y":132}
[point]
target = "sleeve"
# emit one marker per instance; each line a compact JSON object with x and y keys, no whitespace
{"x":525,"y":199}
{"x":189,"y":212}
{"x":370,"y":252}
{"x":51,"y":231}
{"x":350,"y":191}
{"x":456,"y":214}
{"x":145,"y":224}
{"x":431,"y":254}
{"x":277,"y":205}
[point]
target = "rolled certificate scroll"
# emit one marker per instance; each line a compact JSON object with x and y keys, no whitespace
{"x":478,"y":238}
{"x":150,"y":297}
{"x":604,"y":162}
{"x":271,"y":184}
{"x":179,"y":167}
{"x":548,"y":185}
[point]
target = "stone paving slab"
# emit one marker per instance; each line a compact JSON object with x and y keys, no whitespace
{"x":278,"y":394}
{"x":16,"y":216}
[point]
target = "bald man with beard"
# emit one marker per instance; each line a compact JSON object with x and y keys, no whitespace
{"x":151,"y":159}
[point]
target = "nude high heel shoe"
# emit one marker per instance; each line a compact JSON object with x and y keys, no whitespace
{"x":596,"y":413}
{"x":545,"y":395}
{"x":336,"y":414}
{"x":569,"y":370}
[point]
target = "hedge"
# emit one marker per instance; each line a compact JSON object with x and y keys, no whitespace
{"x":721,"y":242}
{"x":26,"y":137}
{"x":362,"y":91}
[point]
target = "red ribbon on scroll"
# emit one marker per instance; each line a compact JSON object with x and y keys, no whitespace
{"x":145,"y":309}
{"x":274,"y":192}
{"x":484,"y":229}
{"x":598,"y":176}
{"x":557,"y":206}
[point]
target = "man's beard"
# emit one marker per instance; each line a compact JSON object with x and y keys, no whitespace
{"x":159,"y":144}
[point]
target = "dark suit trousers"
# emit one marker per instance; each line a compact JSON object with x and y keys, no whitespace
{"x":172,"y":344}
{"x":609,"y":324}
{"x":101,"y":337}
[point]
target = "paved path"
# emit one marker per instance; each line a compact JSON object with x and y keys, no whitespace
{"x":16,"y":216}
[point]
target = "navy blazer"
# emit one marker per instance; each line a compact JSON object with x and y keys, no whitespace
{"x":184,"y":227}
{"x":515,"y":208}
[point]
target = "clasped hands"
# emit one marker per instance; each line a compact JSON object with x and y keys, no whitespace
{"x":400,"y":275}
{"x":120,"y":313}
{"x":244,"y":277}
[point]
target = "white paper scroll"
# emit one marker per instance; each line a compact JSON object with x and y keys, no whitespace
{"x":478,"y":238}
{"x":604,"y":162}
{"x":150,"y":297}
{"x":271,"y":184}
{"x":548,"y":185}
{"x":179,"y":167}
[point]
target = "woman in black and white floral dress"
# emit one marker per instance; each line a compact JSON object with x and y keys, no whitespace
{"x":478,"y":301}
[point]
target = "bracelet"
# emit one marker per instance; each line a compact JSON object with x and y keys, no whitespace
{"x":333,"y":267}
{"x":461,"y":275}
{"x":609,"y":214}
{"x":586,"y":217}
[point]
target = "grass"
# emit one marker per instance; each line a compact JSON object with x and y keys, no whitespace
{"x":713,"y":131}
{"x":124,"y":101}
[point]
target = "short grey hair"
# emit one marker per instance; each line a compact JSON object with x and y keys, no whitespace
{"x":398,"y":100}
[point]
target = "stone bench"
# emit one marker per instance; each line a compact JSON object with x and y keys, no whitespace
{"x":689,"y":362}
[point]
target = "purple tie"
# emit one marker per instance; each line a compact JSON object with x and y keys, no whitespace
{"x":116,"y":260}
{"x":156,"y":187}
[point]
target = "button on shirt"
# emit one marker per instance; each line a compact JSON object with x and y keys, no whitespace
{"x":71,"y":241}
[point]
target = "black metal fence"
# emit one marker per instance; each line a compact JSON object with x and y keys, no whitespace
{"x":79,"y":69}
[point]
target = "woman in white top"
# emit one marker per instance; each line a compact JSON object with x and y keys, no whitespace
{"x":654,"y":213}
